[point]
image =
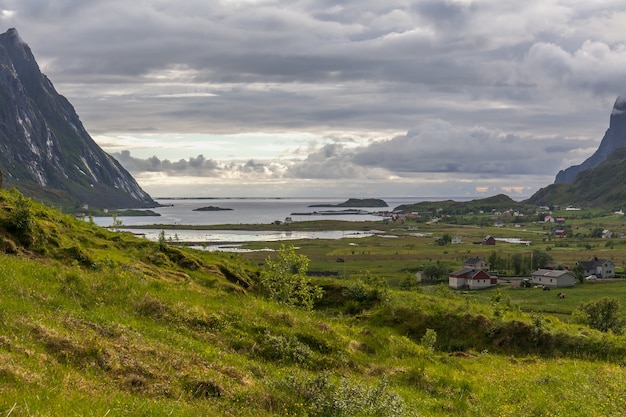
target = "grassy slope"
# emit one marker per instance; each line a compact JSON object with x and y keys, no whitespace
{"x":100,"y":323}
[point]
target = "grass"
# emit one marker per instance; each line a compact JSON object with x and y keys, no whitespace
{"x":94,"y":322}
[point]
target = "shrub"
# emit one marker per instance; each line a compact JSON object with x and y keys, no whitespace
{"x":282,"y":349}
{"x":20,"y":219}
{"x":429,"y":339}
{"x":285,"y":280}
{"x":601,"y":314}
{"x":322,"y":397}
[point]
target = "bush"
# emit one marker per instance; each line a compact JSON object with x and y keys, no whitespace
{"x":429,"y":339}
{"x":601,"y":314}
{"x":20,"y":221}
{"x":282,"y":349}
{"x":285,"y":280}
{"x":322,"y":397}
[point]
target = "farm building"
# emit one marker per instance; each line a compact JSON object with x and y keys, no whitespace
{"x":476,"y":263}
{"x":601,"y":268}
{"x":473,"y":279}
{"x":553,"y":278}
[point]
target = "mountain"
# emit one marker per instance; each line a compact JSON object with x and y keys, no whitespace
{"x":451,"y":207}
{"x":45,"y":152}
{"x":604,"y":185}
{"x":614,"y":138}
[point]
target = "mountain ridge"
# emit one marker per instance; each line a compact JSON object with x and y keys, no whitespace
{"x":45,"y":151}
{"x":614,"y":138}
{"x":603,"y":185}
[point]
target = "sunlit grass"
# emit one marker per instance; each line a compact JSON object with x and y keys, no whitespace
{"x":142,"y":330}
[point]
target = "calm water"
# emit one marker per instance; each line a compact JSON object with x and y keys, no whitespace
{"x":247,"y":211}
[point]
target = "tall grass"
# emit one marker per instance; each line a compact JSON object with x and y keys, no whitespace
{"x":141,"y":331}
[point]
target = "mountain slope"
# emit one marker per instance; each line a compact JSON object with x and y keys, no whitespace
{"x":94,"y":322}
{"x":614,"y":138}
{"x":602,"y":186}
{"x":44,"y":149}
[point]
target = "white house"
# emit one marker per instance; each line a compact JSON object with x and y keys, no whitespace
{"x":553,"y":278}
{"x":602,"y":268}
{"x":476,"y":263}
{"x":472,"y":279}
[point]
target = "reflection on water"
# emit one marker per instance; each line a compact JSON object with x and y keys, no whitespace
{"x":208,"y":237}
{"x":228,"y":248}
{"x":247,"y":211}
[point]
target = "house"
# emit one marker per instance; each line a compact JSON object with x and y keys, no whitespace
{"x":456,"y":240}
{"x":473,"y":279}
{"x":553,"y":278}
{"x":607,"y":234}
{"x":560,"y":233}
{"x":476,"y":263}
{"x":601,"y":268}
{"x":548,"y":219}
{"x":489,"y":240}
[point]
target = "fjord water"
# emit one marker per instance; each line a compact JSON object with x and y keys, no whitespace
{"x":249,"y":211}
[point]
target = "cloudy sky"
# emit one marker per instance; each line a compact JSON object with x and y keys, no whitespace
{"x":346,"y":98}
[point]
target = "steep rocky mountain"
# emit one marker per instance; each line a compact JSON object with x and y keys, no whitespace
{"x":602,"y":186}
{"x":45,"y":152}
{"x":614,"y":138}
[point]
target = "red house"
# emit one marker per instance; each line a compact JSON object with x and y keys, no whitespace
{"x":472,"y":279}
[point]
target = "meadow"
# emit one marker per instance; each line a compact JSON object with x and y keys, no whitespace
{"x":99,"y":323}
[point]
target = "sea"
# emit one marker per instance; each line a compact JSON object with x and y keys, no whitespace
{"x":182,"y":212}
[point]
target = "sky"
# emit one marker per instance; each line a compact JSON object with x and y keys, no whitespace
{"x":367,"y":98}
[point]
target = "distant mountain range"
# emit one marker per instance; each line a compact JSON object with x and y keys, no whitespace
{"x":45,"y":152}
{"x":601,"y":179}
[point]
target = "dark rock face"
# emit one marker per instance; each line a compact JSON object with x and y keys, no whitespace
{"x":614,"y":138}
{"x":44,"y":148}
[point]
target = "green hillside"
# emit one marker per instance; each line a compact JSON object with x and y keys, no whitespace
{"x":96,"y":322}
{"x":451,"y":207}
{"x":602,"y":186}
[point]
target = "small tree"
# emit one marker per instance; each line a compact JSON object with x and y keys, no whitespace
{"x":540,"y":259}
{"x":601,"y":314}
{"x":429,"y":339}
{"x":579,"y":273}
{"x":20,"y":220}
{"x":285,"y":280}
{"x":435,"y":271}
{"x":117,"y":223}
{"x":162,"y":240}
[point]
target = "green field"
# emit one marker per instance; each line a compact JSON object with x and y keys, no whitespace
{"x":99,"y":323}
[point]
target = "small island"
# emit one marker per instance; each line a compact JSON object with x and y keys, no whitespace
{"x":211,"y":208}
{"x":356,"y":202}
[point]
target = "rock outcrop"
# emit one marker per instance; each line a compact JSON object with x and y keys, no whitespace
{"x":45,"y":152}
{"x":614,"y":138}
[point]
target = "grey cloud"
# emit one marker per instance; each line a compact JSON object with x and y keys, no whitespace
{"x":442,"y":147}
{"x":535,"y":69}
{"x":198,"y":166}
